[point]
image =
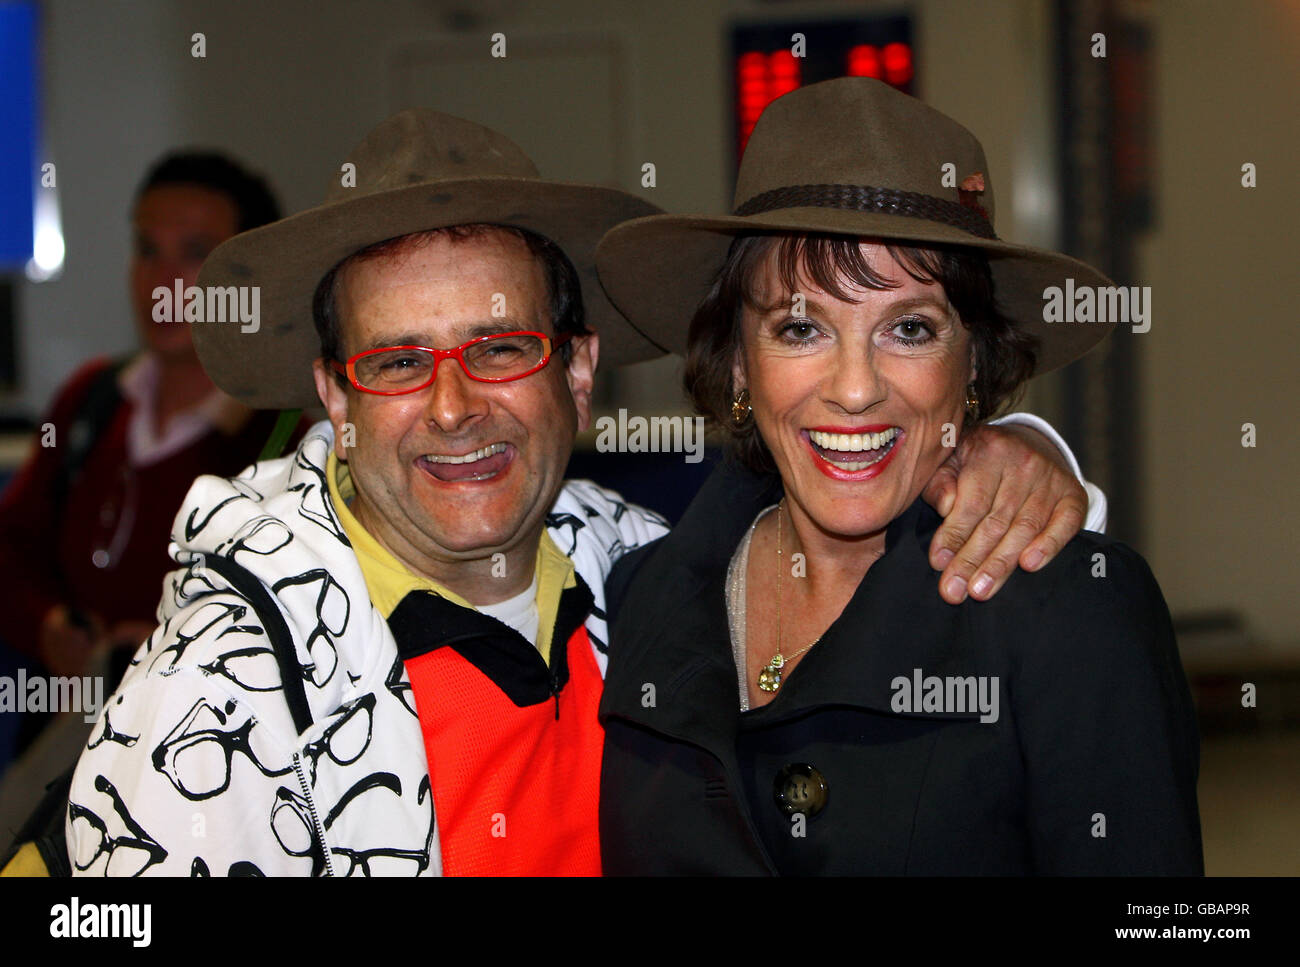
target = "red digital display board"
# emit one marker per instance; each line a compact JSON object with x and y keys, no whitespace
{"x":774,"y":59}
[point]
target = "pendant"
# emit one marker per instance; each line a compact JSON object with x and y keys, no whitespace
{"x":769,"y":679}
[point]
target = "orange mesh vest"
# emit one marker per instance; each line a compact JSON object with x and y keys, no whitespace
{"x":514,"y":747}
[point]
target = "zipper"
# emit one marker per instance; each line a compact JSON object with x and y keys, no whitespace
{"x":318,"y":829}
{"x":554,"y":670}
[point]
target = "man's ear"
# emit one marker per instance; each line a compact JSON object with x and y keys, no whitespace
{"x":581,"y":374}
{"x":335,"y":400}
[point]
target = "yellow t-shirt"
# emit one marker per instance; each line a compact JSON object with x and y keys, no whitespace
{"x":26,"y":862}
{"x":389,"y":581}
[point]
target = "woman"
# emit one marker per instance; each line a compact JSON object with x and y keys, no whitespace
{"x":787,"y":693}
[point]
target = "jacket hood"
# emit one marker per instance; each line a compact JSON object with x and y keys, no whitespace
{"x":276,"y":521}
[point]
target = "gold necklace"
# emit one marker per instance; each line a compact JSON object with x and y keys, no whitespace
{"x":769,"y":679}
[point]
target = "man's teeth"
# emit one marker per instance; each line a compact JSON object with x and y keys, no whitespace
{"x":467,"y":458}
{"x":852,"y":442}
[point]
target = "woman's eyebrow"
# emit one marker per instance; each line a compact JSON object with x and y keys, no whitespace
{"x":811,"y":305}
{"x":786,"y":304}
{"x":921,"y":302}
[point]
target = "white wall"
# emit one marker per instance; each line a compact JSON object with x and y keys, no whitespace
{"x":1223,"y":347}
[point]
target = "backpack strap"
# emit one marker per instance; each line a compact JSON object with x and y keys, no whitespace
{"x":285,"y":424}
{"x":92,"y":416}
{"x":277,"y":630}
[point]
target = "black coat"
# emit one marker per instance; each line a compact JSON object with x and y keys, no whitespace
{"x":1095,"y":730}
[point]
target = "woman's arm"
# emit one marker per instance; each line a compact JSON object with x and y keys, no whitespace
{"x":1106,"y":723}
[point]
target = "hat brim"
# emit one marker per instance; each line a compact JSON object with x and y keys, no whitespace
{"x":270,"y":367}
{"x":659,"y":268}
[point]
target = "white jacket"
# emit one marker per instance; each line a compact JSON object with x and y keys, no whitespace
{"x":196,"y":765}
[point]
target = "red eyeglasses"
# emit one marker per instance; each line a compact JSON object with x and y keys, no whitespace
{"x":499,"y":358}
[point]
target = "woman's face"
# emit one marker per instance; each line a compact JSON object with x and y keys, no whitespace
{"x":852,"y":398}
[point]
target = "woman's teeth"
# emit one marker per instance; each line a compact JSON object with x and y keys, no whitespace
{"x":469,"y":457}
{"x":833,"y":446}
{"x":852,"y":442}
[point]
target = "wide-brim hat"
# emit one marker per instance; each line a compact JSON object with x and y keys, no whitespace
{"x":851,"y":156}
{"x":417,"y":170}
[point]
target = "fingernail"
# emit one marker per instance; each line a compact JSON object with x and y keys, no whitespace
{"x":982,"y":584}
{"x":943,"y":557}
{"x":956,"y":587}
{"x":1033,"y":559}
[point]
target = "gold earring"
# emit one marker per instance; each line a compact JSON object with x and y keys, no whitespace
{"x":972,"y":403}
{"x":740,"y":408}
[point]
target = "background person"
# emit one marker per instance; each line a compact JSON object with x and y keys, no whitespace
{"x":84,"y":524}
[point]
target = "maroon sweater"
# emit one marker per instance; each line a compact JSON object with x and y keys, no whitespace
{"x":48,"y":557}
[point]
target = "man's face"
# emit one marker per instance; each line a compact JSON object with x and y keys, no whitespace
{"x":430,"y":513}
{"x":176,"y":226}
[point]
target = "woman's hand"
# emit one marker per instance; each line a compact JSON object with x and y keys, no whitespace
{"x":1008,"y":498}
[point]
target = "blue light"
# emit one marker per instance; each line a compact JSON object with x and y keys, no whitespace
{"x":19,"y":167}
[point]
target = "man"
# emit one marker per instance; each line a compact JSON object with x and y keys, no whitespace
{"x":383,"y":654}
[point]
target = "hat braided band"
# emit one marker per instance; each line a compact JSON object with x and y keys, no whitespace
{"x":864,"y":198}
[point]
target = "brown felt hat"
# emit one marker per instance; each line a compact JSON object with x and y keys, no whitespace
{"x":418,"y":170}
{"x":856,"y":157}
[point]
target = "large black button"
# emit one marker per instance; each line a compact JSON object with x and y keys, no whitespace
{"x":799,"y":788}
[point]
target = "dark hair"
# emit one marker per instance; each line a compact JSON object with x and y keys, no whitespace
{"x":1004,"y":354}
{"x":563,"y":289}
{"x":250,"y":194}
